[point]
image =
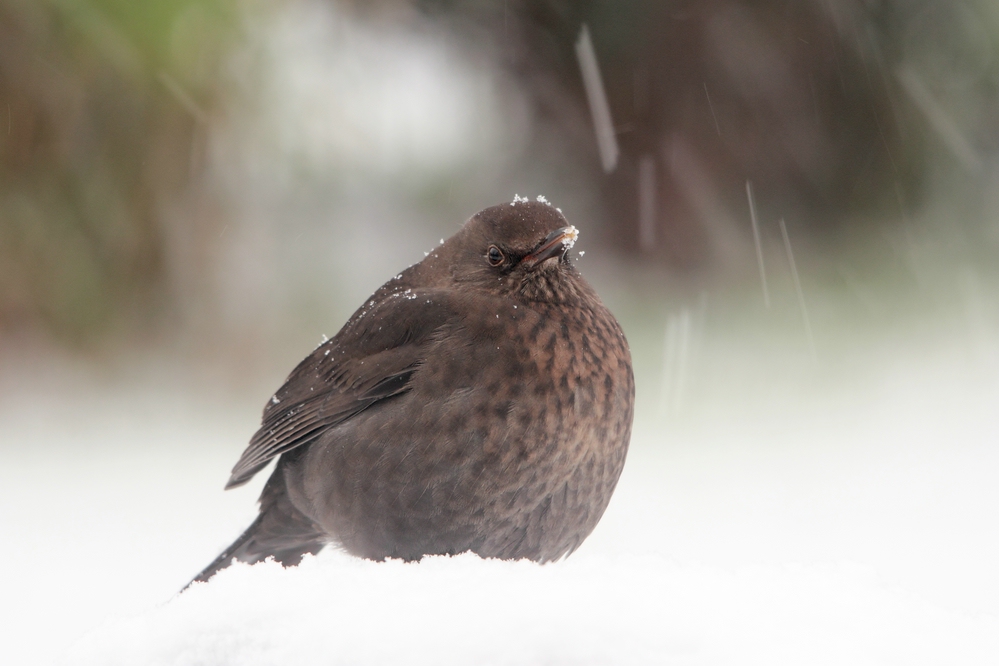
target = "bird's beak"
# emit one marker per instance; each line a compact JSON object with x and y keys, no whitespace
{"x":557,"y":242}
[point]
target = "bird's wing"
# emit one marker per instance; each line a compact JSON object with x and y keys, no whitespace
{"x":371,"y":359}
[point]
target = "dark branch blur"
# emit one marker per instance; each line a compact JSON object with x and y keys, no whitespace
{"x":804,"y":99}
{"x":115,"y":209}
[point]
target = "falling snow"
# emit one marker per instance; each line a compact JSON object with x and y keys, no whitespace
{"x":756,"y":239}
{"x":597,"y":98}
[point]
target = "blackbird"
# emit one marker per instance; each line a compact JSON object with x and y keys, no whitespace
{"x":481,"y":400}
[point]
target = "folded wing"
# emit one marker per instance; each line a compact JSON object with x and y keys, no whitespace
{"x":372,"y":359}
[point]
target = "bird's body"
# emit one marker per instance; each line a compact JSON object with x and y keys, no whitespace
{"x":481,"y":400}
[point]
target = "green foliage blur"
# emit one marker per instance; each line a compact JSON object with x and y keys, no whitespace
{"x":100,"y":107}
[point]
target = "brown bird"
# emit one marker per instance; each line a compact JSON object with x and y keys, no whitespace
{"x":479,"y":401}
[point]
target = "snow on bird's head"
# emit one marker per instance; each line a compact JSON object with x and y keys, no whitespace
{"x":540,"y":199}
{"x":570,"y":236}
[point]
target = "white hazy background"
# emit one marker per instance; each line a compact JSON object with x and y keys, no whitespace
{"x":787,"y":499}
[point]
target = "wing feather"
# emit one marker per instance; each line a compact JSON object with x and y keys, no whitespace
{"x":372,"y":359}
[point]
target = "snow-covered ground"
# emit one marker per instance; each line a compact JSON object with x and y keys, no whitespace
{"x":839,"y":510}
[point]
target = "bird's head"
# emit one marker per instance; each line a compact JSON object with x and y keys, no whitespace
{"x":519,"y":249}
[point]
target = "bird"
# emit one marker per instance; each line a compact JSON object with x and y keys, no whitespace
{"x":481,"y":400}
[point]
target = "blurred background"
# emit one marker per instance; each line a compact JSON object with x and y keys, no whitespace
{"x":792,"y":207}
{"x":234,"y":176}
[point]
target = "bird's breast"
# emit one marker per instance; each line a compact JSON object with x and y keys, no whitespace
{"x":536,"y":383}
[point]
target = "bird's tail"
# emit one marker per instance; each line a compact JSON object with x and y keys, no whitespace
{"x":280,"y":531}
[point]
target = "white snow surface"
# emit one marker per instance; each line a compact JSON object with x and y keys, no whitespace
{"x":591,"y":609}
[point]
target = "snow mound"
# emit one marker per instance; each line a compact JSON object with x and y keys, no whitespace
{"x":335,"y":609}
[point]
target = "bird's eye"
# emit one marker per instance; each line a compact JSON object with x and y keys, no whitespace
{"x":494,"y":255}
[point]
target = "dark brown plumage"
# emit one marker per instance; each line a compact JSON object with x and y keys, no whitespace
{"x":481,"y":400}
